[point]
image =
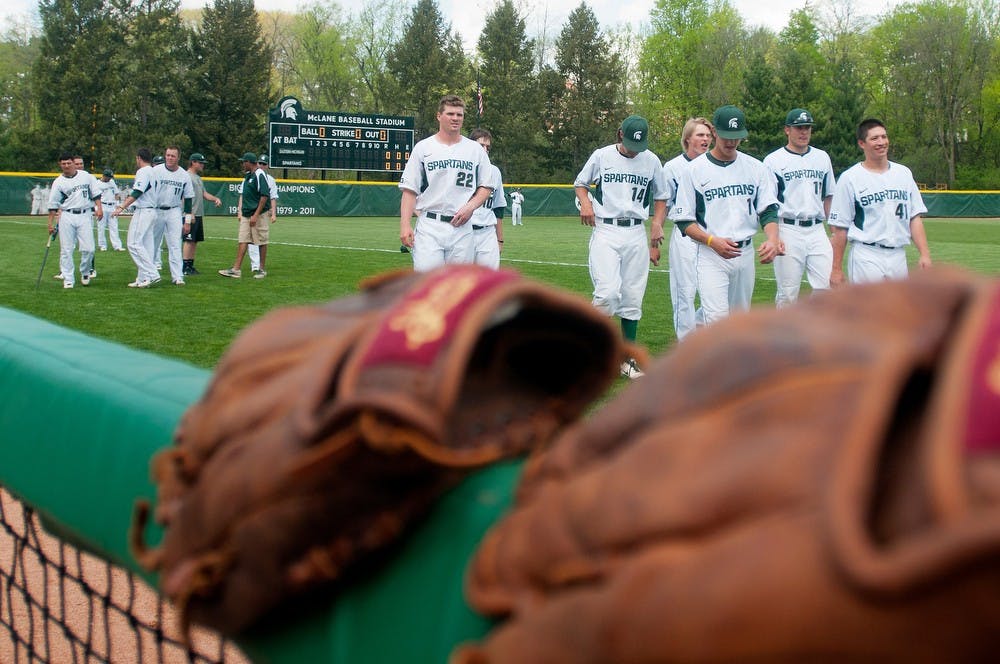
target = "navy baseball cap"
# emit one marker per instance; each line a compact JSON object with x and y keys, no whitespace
{"x":730,"y":123}
{"x":197,"y":156}
{"x":799,"y":117}
{"x":635,"y":133}
{"x":249,"y":156}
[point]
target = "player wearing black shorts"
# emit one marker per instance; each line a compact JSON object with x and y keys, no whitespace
{"x":196,"y":233}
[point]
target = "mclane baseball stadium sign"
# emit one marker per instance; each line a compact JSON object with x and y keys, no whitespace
{"x":337,"y":141}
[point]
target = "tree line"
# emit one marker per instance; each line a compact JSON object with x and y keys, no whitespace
{"x":104,"y":77}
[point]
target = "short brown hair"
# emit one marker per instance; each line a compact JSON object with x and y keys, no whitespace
{"x":479,"y":132}
{"x":866,"y":126}
{"x":450,"y":100}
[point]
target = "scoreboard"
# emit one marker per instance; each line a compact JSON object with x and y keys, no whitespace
{"x":331,"y":140}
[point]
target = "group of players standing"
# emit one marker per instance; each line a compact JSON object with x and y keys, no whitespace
{"x":717,"y":198}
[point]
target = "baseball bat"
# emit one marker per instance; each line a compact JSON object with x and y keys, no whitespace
{"x":55,"y":231}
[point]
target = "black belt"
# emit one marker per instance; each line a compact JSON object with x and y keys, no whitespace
{"x":879,"y":245}
{"x":438,"y":215}
{"x":743,"y":243}
{"x":79,"y":210}
{"x":622,"y":221}
{"x":478,"y":228}
{"x":166,"y":207}
{"x":805,"y":223}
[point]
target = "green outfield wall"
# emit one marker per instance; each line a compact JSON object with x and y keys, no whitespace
{"x":311,"y":198}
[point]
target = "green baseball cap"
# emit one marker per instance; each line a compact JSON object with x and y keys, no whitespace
{"x":249,"y":156}
{"x":158,"y":159}
{"x":635,"y":133}
{"x":108,"y":172}
{"x":730,"y":123}
{"x":798,"y":117}
{"x":262,"y":159}
{"x":197,"y":156}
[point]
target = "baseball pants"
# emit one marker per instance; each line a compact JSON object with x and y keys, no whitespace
{"x":619,"y":269}
{"x":807,"y":251}
{"x":867,"y":264}
{"x":170,"y":227}
{"x":108,"y":223}
{"x":437,"y":243}
{"x":515,"y":215}
{"x":725,"y":285}
{"x":140,"y":243}
{"x":683,"y":258}
{"x":487,"y":248}
{"x":73,"y":229}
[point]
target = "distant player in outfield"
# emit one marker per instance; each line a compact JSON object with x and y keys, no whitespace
{"x":804,"y":177}
{"x":140,"y":231}
{"x":516,"y":203}
{"x":487,"y":221}
{"x":74,"y":198}
{"x":108,"y":223}
{"x":723,"y":198}
{"x":252,"y":251}
{"x":445,"y":179}
{"x":877,"y":208}
{"x":629,"y":181}
{"x":196,"y":232}
{"x":696,"y":139}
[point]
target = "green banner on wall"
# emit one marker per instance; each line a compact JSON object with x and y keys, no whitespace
{"x":310,"y":198}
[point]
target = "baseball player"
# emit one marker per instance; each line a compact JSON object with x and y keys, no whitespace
{"x":696,"y":139}
{"x":140,"y":231}
{"x":38,"y":199}
{"x":78,"y":161}
{"x":804,"y":177}
{"x":196,"y":232}
{"x":174,"y":196}
{"x":877,"y":208}
{"x":445,"y":179}
{"x":108,"y":222}
{"x":487,"y":221}
{"x":628,"y":177}
{"x":255,"y":198}
{"x":516,"y":200}
{"x":74,"y":197}
{"x":252,"y":250}
{"x":723,"y":198}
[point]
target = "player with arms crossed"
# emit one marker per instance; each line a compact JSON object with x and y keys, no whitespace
{"x":723,"y":198}
{"x":804,"y":176}
{"x":877,"y":208}
{"x":445,"y":179}
{"x":628,"y":177}
{"x":74,"y":197}
{"x":487,"y":221}
{"x":696,"y":139}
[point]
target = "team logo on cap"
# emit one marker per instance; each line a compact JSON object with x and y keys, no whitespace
{"x":804,"y":117}
{"x":734,"y":123}
{"x":637,"y":136}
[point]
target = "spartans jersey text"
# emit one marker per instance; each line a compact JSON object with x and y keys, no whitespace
{"x":449,"y":163}
{"x":803,"y":173}
{"x":627,"y":178}
{"x":730,"y":190}
{"x":885,"y":195}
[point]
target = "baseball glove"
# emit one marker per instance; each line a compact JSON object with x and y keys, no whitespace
{"x":820,"y":483}
{"x":327,"y":430}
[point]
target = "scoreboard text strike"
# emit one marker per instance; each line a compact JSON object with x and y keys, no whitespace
{"x":330,"y":140}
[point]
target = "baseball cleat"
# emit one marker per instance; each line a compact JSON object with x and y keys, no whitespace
{"x":57,"y":276}
{"x":260,"y":274}
{"x":630,"y":370}
{"x":230,"y":272}
{"x":67,"y":284}
{"x":139,"y":284}
{"x":178,"y":282}
{"x":85,"y":279}
{"x":93,"y":273}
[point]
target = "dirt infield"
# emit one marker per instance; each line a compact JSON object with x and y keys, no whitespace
{"x":60,"y":605}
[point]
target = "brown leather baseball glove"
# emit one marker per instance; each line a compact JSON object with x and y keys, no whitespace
{"x":820,"y":483}
{"x":327,"y":430}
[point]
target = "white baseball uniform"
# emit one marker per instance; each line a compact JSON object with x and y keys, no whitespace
{"x":804,"y":181}
{"x":140,"y":231}
{"x":38,"y":199}
{"x":253,"y":251}
{"x":516,"y":199}
{"x":74,"y":198}
{"x":682,"y":256}
{"x":174,"y":186}
{"x":444,"y":178}
{"x":876,"y":209}
{"x":484,"y":224}
{"x":729,"y":200}
{"x":108,"y":222}
{"x":619,"y":253}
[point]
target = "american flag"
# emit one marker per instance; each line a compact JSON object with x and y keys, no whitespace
{"x":479,"y":98}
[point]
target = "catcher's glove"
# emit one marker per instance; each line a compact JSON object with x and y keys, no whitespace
{"x":326,"y":430}
{"x":820,"y":483}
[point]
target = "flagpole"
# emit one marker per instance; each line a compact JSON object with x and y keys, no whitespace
{"x":479,"y":100}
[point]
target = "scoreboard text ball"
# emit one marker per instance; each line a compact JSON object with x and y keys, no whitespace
{"x":330,"y":140}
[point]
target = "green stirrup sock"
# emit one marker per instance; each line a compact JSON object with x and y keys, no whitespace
{"x":630,"y":329}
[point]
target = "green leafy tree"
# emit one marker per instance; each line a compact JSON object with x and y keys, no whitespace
{"x":229,"y":93}
{"x":373,"y":29}
{"x":512,"y":105}
{"x":585,"y":102}
{"x":763,"y":108}
{"x":428,"y":62}
{"x":18,"y":114}
{"x":320,"y":55}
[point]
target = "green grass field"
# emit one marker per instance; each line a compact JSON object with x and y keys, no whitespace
{"x":315,"y":259}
